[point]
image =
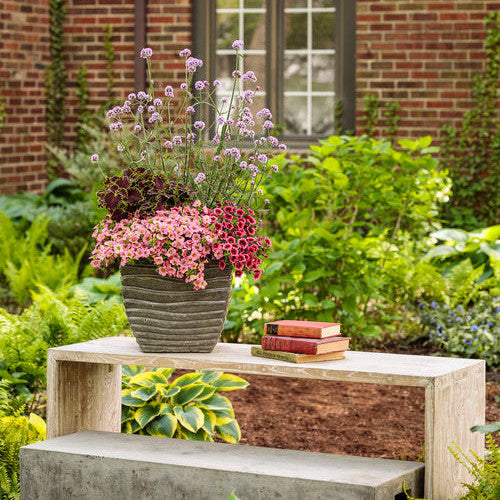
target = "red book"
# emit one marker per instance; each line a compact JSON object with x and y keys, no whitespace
{"x":305,"y":346}
{"x":308,"y":329}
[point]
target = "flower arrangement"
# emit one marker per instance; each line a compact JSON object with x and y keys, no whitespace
{"x":190,"y":192}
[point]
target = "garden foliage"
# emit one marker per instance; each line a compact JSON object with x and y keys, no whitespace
{"x":348,"y":224}
{"x":189,"y":407}
{"x":472,"y":153}
{"x":52,"y":320}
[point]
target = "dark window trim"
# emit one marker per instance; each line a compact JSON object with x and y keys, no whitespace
{"x":204,"y":17}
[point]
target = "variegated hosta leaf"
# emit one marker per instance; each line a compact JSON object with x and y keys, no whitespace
{"x":216,"y":402}
{"x":206,"y":393}
{"x":131,"y":370}
{"x":127,"y":414}
{"x":129,"y":400}
{"x":164,"y":426}
{"x":166,"y":372}
{"x":230,"y":432}
{"x":223,"y":417}
{"x":191,"y":418}
{"x":145,"y":414}
{"x":147,"y":379}
{"x":208,"y":376}
{"x":210,"y":421}
{"x":187,"y":393}
{"x":168,"y":392}
{"x":186,"y":379}
{"x":144,"y":393}
{"x":229,"y":382}
{"x":201,"y":435}
{"x":131,"y":427}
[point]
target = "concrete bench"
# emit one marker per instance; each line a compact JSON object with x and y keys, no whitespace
{"x":84,"y":392}
{"x":110,"y":466}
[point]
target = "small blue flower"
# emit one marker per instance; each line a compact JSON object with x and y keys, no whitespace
{"x":434,"y":304}
{"x":497,"y":309}
{"x":460,"y":307}
{"x":421,"y":305}
{"x":474,"y":328}
{"x":459,"y":318}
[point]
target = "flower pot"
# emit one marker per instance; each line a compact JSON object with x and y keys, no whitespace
{"x":167,"y":315}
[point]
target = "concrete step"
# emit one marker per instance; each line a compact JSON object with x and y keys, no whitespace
{"x":111,"y":466}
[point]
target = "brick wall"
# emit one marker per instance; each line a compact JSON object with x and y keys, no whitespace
{"x":422,"y":54}
{"x":23,"y":56}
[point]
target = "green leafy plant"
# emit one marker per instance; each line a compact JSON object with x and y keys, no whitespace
{"x":472,"y":153}
{"x":16,"y":431}
{"x":92,"y":290}
{"x":470,"y":332}
{"x":347,"y":230}
{"x":53,"y":320}
{"x":84,"y":116}
{"x":370,"y":114}
{"x":189,"y":407}
{"x":109,"y":54}
{"x":391,"y":114}
{"x":55,"y":81}
{"x":26,"y":260}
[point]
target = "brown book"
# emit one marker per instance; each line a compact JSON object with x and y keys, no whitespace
{"x":309,"y":329}
{"x":304,"y":346}
{"x":296,"y":358}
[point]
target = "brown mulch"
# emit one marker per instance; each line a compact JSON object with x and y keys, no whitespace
{"x":335,"y":417}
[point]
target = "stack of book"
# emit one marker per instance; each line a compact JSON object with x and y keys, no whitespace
{"x":302,"y":341}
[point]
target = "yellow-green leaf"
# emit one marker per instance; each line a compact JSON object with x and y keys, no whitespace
{"x":186,"y":379}
{"x":147,"y":379}
{"x":168,"y":391}
{"x":229,"y":382}
{"x":216,"y":402}
{"x":144,"y":393}
{"x":223,"y":417}
{"x":165,"y":372}
{"x":163,"y":426}
{"x":187,"y":394}
{"x":230,"y":432}
{"x":129,"y":400}
{"x":145,"y":414}
{"x":208,"y":376}
{"x":206,"y":393}
{"x":210,"y":421}
{"x":38,"y":424}
{"x":191,"y":418}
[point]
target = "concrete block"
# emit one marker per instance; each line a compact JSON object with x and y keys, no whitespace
{"x":111,"y":466}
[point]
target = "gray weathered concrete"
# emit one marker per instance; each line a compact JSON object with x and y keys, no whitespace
{"x":101,"y":466}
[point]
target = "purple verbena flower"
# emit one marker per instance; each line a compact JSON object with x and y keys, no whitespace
{"x":237,"y":44}
{"x":190,"y":109}
{"x":249,"y":75}
{"x":268,"y":124}
{"x":217,"y":83}
{"x":120,"y":148}
{"x":137,"y":128}
{"x":140,"y":109}
{"x":185,"y":53}
{"x":199,"y":85}
{"x":142,"y":95}
{"x":132,"y":96}
{"x":157,"y":102}
{"x":146,"y":53}
{"x":199,"y":125}
{"x":177,"y":140}
{"x":199,"y":178}
{"x":264,"y":113}
{"x":262,"y":158}
{"x":283,"y":147}
{"x":94,"y":158}
{"x":169,"y":91}
{"x":151,"y":109}
{"x":192,"y":63}
{"x":155,"y":117}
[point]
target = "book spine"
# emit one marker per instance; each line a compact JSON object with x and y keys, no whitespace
{"x":272,"y":343}
{"x":281,"y":356}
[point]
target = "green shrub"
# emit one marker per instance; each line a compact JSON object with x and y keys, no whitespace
{"x":16,"y":431}
{"x":347,"y":226}
{"x":189,"y":407}
{"x":53,"y":320}
{"x":92,"y":290}
{"x":26,"y":260}
{"x":468,"y":332}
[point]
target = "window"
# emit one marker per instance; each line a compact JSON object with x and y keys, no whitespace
{"x":302,"y":51}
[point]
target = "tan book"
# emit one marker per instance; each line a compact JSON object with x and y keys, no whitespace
{"x":296,"y":358}
{"x":307,"y":329}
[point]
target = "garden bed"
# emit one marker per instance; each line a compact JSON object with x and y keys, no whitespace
{"x":335,"y":417}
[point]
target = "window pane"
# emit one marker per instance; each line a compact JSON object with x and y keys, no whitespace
{"x":323,"y":73}
{"x":322,"y":115}
{"x":295,"y":115}
{"x":255,"y":4}
{"x":224,"y":68}
{"x":228,"y":4}
{"x":323,"y":3}
{"x":295,"y":3}
{"x":255,"y":31}
{"x":296,"y":31}
{"x":323,"y":30}
{"x":227,"y":30}
{"x":295,"y":72}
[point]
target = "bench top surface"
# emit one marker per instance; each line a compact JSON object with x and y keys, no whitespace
{"x":382,"y":368}
{"x":338,"y":469}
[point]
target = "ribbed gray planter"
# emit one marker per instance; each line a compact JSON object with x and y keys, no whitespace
{"x":167,"y":315}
